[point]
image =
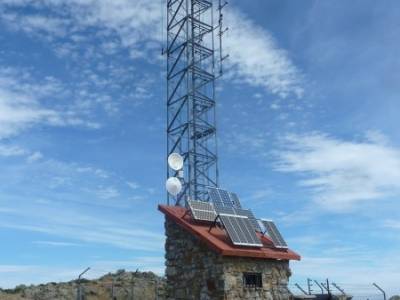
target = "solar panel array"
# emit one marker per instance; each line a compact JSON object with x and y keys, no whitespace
{"x":240,"y":230}
{"x":202,"y":211}
{"x":240,"y":224}
{"x":229,"y":203}
{"x":274,"y":234}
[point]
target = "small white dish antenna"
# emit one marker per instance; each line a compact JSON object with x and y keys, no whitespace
{"x":175,"y":161}
{"x":173,"y":186}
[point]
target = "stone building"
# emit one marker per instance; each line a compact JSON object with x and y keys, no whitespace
{"x":202,"y":263}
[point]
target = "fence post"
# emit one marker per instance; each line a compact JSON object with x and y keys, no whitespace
{"x":79,"y":291}
{"x":379,"y":288}
{"x":309,"y":284}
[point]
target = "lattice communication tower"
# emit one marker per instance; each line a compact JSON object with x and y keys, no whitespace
{"x":191,"y":69}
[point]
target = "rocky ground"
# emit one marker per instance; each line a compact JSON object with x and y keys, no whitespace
{"x":116,"y":286}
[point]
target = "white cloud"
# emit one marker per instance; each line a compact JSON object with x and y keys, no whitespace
{"x":72,"y":225}
{"x":90,"y":170}
{"x":133,"y":185}
{"x":137,"y":23}
{"x":36,"y":24}
{"x":55,"y":244}
{"x":74,"y":202}
{"x":56,"y":180}
{"x":17,"y":114}
{"x":255,"y":56}
{"x":23,"y":103}
{"x":341,"y":173}
{"x":275,"y":106}
{"x":119,"y":28}
{"x":15,"y":268}
{"x":241,"y":142}
{"x":107,"y":192}
{"x":12,"y":150}
{"x":393,"y":224}
{"x":6,"y":150}
{"x":34,"y":157}
{"x":258,"y":60}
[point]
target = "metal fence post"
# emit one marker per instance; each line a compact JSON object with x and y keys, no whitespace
{"x":379,"y":288}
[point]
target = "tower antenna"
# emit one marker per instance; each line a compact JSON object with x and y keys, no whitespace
{"x":221,"y":31}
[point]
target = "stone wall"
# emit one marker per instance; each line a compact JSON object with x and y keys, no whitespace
{"x":275,"y":276}
{"x":195,"y":272}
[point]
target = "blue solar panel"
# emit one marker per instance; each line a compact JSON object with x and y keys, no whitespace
{"x":214,"y":195}
{"x":229,"y":203}
{"x":274,"y":234}
{"x":249,"y":214}
{"x":240,"y":224}
{"x":225,"y":197}
{"x":240,"y":231}
{"x":203,"y":211}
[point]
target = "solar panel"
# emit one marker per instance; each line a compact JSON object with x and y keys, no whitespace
{"x":235,"y":200}
{"x":203,"y":211}
{"x":223,"y":198}
{"x":249,"y":214}
{"x":229,"y":203}
{"x":274,"y":234}
{"x":240,"y":230}
{"x":214,"y":195}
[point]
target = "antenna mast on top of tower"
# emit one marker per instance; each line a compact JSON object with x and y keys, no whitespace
{"x":191,"y":64}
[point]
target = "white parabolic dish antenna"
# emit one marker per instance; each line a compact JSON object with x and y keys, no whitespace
{"x":175,"y":161}
{"x":173,"y":186}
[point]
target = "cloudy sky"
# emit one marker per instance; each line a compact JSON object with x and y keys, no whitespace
{"x":308,"y":135}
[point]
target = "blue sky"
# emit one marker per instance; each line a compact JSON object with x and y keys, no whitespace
{"x":307,"y":126}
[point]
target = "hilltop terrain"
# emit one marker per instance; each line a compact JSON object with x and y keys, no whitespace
{"x":122,"y":285}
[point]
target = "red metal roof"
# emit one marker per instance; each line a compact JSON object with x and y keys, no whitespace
{"x":218,"y":240}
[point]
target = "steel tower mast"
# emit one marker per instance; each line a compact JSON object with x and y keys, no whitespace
{"x":191,"y":126}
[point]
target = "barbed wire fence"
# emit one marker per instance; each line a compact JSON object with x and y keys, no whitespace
{"x":358,"y":291}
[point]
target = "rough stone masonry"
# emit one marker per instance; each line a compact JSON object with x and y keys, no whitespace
{"x":194,"y":271}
